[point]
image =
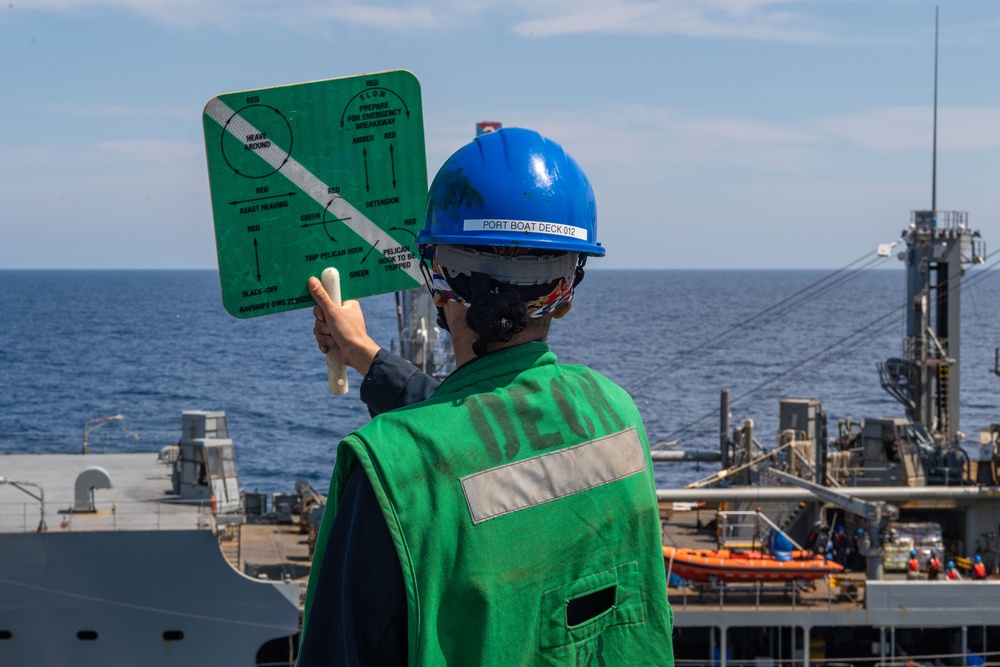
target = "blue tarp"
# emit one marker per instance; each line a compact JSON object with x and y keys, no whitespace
{"x":779,"y":545}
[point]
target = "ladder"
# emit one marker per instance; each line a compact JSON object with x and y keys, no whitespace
{"x":943,"y":382}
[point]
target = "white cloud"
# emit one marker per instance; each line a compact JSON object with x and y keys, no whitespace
{"x":969,"y":128}
{"x":774,"y":20}
{"x":890,"y":129}
{"x":390,"y":18}
{"x":725,"y":19}
{"x":303,"y":14}
{"x":627,"y":135}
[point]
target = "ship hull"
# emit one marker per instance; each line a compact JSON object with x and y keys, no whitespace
{"x":153,"y":598}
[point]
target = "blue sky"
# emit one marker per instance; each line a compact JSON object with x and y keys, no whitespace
{"x":717,"y":133}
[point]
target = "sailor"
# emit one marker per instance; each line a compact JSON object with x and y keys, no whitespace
{"x":857,"y":558}
{"x":913,"y":566}
{"x":951,"y":572}
{"x":511,"y":517}
{"x":933,"y":565}
{"x":978,"y":568}
{"x":840,"y":545}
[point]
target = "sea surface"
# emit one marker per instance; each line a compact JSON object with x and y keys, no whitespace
{"x":80,"y":345}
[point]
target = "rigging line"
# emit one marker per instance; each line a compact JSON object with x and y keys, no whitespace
{"x":790,"y":370}
{"x":759,"y":392}
{"x":767,"y":389}
{"x":762,"y":318}
{"x":140,"y":607}
{"x":658,"y":371}
{"x":981,"y":275}
{"x":986,"y":272}
{"x":863,"y":341}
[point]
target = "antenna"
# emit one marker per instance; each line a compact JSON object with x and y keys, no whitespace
{"x":934,"y":159}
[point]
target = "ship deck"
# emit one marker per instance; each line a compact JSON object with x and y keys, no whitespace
{"x":140,"y":497}
{"x":693,"y":529}
{"x":840,"y":600}
{"x":270,"y":550}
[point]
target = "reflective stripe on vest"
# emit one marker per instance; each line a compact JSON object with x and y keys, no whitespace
{"x":546,"y":477}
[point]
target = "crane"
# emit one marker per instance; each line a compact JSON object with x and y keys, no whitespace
{"x":877,"y":516}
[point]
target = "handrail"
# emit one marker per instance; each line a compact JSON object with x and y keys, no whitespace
{"x":116,"y":515}
{"x":19,"y":485}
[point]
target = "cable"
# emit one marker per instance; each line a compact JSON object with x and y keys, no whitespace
{"x":759,"y":319}
{"x":758,"y":388}
{"x":761,"y":390}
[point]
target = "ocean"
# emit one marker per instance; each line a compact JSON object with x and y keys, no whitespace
{"x":80,"y":345}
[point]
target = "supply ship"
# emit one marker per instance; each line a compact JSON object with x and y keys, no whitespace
{"x":879,"y":491}
{"x":893,"y":484}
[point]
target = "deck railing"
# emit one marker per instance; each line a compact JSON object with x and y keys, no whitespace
{"x":17,"y":517}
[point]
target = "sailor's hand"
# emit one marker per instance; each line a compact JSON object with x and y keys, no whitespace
{"x":342,"y":326}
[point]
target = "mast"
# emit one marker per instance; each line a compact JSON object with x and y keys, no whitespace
{"x":934,"y":153}
{"x":939,"y":244}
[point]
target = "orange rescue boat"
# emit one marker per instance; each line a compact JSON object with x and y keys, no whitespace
{"x":734,"y":566}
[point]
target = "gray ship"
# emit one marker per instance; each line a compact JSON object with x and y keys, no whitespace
{"x":882,"y":490}
{"x":898,"y":484}
{"x":117,"y":559}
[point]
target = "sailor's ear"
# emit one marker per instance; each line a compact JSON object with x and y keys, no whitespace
{"x":562,"y":309}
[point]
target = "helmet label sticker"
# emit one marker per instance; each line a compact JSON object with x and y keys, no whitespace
{"x":314,"y":175}
{"x":527,"y":226}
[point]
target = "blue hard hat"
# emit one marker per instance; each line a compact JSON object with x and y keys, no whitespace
{"x":951,"y":563}
{"x":860,"y":530}
{"x":913,"y":552}
{"x":979,"y":559}
{"x":934,"y":552}
{"x":512,"y":188}
{"x":840,"y":527}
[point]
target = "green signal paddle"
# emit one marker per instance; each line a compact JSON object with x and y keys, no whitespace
{"x":310,"y":176}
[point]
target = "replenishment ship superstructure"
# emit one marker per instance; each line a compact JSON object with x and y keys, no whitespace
{"x":878,"y":478}
{"x":881,"y":490}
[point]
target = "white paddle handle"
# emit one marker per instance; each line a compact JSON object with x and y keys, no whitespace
{"x":336,"y":370}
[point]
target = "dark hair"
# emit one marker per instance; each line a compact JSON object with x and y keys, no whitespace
{"x":496,"y":315}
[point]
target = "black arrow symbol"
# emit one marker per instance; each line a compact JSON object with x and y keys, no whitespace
{"x":392,"y":161}
{"x":404,"y":229}
{"x":256,"y":257}
{"x":365,"y":153}
{"x":369,"y":252}
{"x":323,"y":222}
{"x":246,"y":201}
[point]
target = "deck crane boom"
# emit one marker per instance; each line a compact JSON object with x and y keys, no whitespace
{"x":877,"y":516}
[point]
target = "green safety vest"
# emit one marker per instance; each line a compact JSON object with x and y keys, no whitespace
{"x":521,"y":502}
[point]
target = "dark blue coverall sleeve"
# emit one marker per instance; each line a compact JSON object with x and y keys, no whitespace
{"x":393,"y":382}
{"x":358,"y":613}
